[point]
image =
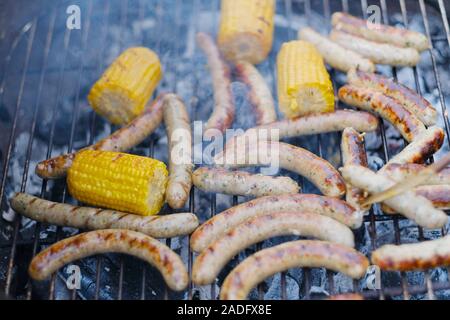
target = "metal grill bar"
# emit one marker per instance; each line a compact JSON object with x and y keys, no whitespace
{"x":10,"y":145}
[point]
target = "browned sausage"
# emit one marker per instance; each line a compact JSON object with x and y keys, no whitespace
{"x":121,"y":140}
{"x":400,"y":172}
{"x":423,"y":147}
{"x":241,"y":183}
{"x":388,"y":108}
{"x":335,"y":55}
{"x":413,"y":256}
{"x":410,"y":99}
{"x":179,"y":138}
{"x":409,"y":204}
{"x":312,"y":124}
{"x":381,"y":53}
{"x":301,"y":253}
{"x":346,"y":296}
{"x":209,"y":263}
{"x":439,"y":195}
{"x":260,"y":95}
{"x":223,"y":222}
{"x":62,"y":214}
{"x":223,"y":113}
{"x":379,"y":32}
{"x":317,"y":170}
{"x":353,"y":152}
{"x":129,"y":242}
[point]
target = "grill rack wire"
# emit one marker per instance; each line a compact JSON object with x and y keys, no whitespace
{"x":405,"y":290}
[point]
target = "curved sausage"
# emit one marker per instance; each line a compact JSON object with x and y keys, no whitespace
{"x":209,"y":263}
{"x":388,"y":108}
{"x":61,"y":214}
{"x":179,"y":137}
{"x":129,"y":242}
{"x":241,"y":183}
{"x":223,"y":222}
{"x":323,"y":123}
{"x":301,"y":253}
{"x":317,"y":170}
{"x":223,"y":113}
{"x":439,"y":195}
{"x":422,"y":148}
{"x":380,"y":53}
{"x":413,"y":256}
{"x":335,"y":55}
{"x":312,"y":124}
{"x":379,"y":32}
{"x":400,"y":172}
{"x":260,"y":95}
{"x":121,"y":140}
{"x":353,"y":152}
{"x":409,"y":204}
{"x":410,"y":99}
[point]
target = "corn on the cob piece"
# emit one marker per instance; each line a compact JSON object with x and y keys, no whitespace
{"x":125,"y":87}
{"x":118,"y":181}
{"x":246,"y":29}
{"x":304,"y":85}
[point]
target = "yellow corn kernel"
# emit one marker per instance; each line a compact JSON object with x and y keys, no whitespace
{"x":118,"y":181}
{"x":125,"y":87}
{"x":304,"y":85}
{"x":246,"y":29}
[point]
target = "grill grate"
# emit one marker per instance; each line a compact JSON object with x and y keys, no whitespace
{"x":162,"y":13}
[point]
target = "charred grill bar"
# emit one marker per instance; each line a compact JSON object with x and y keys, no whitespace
{"x":98,"y":21}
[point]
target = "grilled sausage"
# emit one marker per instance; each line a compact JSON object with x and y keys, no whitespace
{"x":399,"y":172}
{"x":260,"y":95}
{"x":410,"y":99}
{"x":439,"y":195}
{"x":209,"y":263}
{"x":179,"y":137}
{"x":423,"y":147}
{"x":121,"y":140}
{"x":353,"y":152}
{"x":323,"y":123}
{"x":61,"y":214}
{"x":380,"y":53}
{"x":241,"y":183}
{"x":388,"y":108}
{"x":410,"y":204}
{"x":223,"y":222}
{"x":335,"y":55}
{"x":346,"y":296}
{"x":317,"y":170}
{"x":223,"y":113}
{"x":413,"y":256}
{"x":111,"y":240}
{"x":301,"y":253}
{"x":379,"y":32}
{"x":312,"y":124}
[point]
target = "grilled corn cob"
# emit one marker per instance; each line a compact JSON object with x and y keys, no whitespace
{"x":118,"y":181}
{"x":304,"y":85}
{"x":246,"y":29}
{"x":125,"y":87}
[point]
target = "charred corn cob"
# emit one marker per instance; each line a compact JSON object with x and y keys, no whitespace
{"x":118,"y":181}
{"x":125,"y":87}
{"x":246,"y":29}
{"x":304,"y":85}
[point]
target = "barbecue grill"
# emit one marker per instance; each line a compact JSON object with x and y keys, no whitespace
{"x":46,"y":72}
